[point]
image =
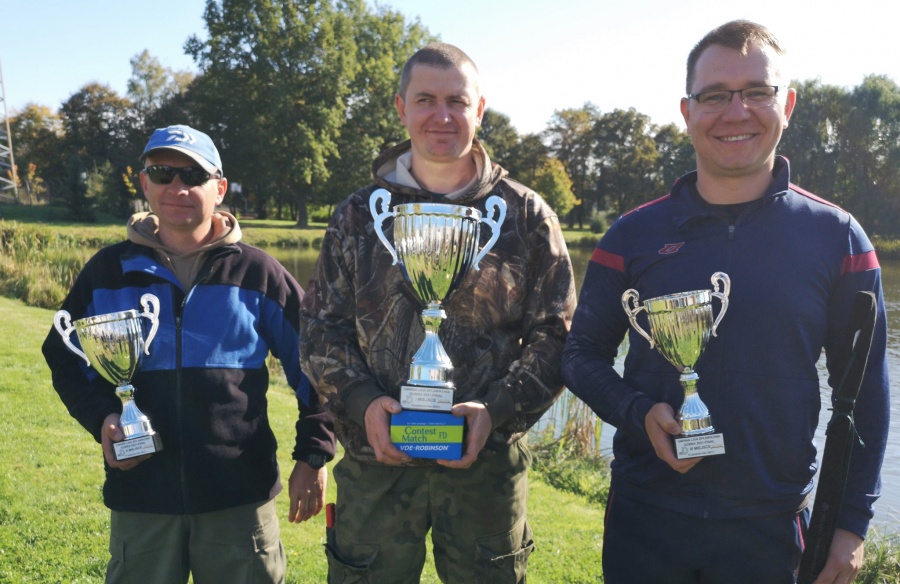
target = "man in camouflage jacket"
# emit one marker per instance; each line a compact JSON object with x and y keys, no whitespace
{"x":505,"y":329}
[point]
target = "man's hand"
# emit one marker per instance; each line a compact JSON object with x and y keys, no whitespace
{"x":306,"y":489}
{"x":845,"y":558}
{"x":378,"y":430}
{"x":479,"y":425}
{"x":111,"y":433}
{"x":661,"y":425}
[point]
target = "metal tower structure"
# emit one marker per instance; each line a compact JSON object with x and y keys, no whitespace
{"x":7,"y":162}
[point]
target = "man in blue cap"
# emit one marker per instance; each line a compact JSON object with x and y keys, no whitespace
{"x":203,"y":504}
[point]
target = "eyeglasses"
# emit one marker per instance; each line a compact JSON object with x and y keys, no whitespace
{"x":751,"y":97}
{"x":192,"y":176}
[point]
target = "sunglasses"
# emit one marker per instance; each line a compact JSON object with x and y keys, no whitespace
{"x":192,"y":176}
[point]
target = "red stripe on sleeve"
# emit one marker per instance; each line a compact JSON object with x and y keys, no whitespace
{"x":859,"y":263}
{"x":610,"y":260}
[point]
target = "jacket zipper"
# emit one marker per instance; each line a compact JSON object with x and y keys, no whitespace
{"x":179,"y":398}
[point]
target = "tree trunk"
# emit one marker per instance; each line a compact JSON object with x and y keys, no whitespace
{"x":302,"y":211}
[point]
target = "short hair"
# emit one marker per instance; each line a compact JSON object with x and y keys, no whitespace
{"x":737,"y":35}
{"x":440,"y":55}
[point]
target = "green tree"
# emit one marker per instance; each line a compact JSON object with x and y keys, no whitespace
{"x":555,"y":186}
{"x":151,"y":85}
{"x":868,"y":177}
{"x":276,"y":75}
{"x":498,"y":136}
{"x":811,"y":141}
{"x":676,"y":154}
{"x":571,"y":137}
{"x":627,"y":160}
{"x":37,"y":134}
{"x":75,"y":190}
{"x":527,"y":158}
{"x":99,"y":125}
{"x":384,"y":41}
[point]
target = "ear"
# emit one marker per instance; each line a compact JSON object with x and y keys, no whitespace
{"x":789,"y":104}
{"x":221,"y":189}
{"x":481,"y":103}
{"x":142,"y":176}
{"x":401,"y":108}
{"x":685,"y":111}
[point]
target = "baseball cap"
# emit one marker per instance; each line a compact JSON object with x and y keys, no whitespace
{"x":186,"y":140}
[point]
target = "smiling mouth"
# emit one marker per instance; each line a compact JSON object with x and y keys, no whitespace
{"x":736,"y":138}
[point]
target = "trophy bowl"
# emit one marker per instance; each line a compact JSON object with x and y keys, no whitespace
{"x":112,"y":344}
{"x":435,"y":244}
{"x":680,"y":328}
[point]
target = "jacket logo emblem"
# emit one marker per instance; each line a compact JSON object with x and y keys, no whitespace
{"x":670,"y":248}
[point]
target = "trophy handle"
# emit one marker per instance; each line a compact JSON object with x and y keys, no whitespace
{"x":497,"y":204}
{"x":384,"y":197}
{"x":723,"y":296}
{"x":63,"y":317}
{"x":630,"y":303}
{"x":149,"y":301}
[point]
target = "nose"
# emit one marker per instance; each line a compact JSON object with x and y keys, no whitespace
{"x":736,"y":107}
{"x":177,"y":186}
{"x":442,"y":112}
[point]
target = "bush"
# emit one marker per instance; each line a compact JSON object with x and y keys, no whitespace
{"x":598,"y":224}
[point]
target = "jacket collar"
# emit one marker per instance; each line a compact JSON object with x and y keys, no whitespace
{"x":491,"y":174}
{"x":686,"y":208}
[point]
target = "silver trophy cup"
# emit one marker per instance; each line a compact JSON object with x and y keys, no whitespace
{"x":680,"y":327}
{"x":435,"y":244}
{"x":112,"y":344}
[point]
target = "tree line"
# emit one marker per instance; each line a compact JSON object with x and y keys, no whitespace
{"x":298,"y":95}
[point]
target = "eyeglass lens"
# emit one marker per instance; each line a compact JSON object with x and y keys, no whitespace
{"x":751,"y":97}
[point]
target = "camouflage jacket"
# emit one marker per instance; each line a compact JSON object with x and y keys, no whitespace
{"x":505,"y":328}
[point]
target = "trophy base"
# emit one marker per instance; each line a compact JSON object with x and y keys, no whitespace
{"x":702,"y":445}
{"x":147,"y":444}
{"x":422,"y":398}
{"x":428,"y":434}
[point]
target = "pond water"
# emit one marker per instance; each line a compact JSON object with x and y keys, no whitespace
{"x":887,"y":510}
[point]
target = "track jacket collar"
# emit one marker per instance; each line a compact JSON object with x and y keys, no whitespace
{"x":686,"y":209}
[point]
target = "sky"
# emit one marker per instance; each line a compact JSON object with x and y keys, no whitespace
{"x":535,"y":56}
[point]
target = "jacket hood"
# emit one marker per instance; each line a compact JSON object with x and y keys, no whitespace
{"x":143,"y":229}
{"x":490,"y":175}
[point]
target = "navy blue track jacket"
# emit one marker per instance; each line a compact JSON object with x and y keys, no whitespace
{"x":795,"y":263}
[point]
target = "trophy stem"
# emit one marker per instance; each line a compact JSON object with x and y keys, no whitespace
{"x":694,"y":415}
{"x":431,"y":366}
{"x":133,"y":422}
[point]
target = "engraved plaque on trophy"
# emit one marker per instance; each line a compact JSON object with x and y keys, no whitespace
{"x":112,"y":344}
{"x":435,"y":245}
{"x":680,"y":327}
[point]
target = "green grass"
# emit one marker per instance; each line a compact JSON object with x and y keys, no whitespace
{"x":54,"y":527}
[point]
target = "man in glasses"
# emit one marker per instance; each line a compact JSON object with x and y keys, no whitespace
{"x":504,"y":334}
{"x":795,"y":263}
{"x":203,"y":505}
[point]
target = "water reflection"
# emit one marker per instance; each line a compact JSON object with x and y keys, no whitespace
{"x":300,"y":264}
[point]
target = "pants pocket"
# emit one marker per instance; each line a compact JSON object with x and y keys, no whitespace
{"x":497,"y":564}
{"x":352,"y":563}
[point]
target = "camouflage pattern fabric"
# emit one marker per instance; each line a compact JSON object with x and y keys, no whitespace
{"x":476,"y":517}
{"x":505,"y":329}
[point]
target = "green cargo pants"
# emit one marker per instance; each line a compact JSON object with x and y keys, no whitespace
{"x":234,"y":546}
{"x":476,"y":517}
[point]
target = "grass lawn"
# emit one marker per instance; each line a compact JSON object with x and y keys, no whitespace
{"x":54,"y":527}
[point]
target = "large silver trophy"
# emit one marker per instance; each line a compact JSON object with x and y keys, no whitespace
{"x":435,"y":244}
{"x":680,"y":327}
{"x":112,"y":344}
